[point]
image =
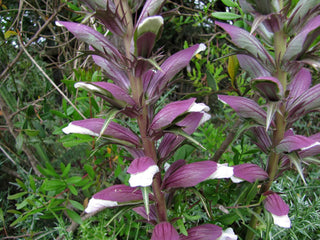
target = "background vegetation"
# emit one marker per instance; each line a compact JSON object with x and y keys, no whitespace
{"x":47,"y":177}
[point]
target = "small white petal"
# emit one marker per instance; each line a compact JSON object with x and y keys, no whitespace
{"x":71,"y":128}
{"x":198,"y":107}
{"x":236,"y":179}
{"x":87,"y":86}
{"x":223,"y":171}
{"x":143,"y":179}
{"x":282,"y":221}
{"x":228,"y":234}
{"x":205,"y":117}
{"x":58,"y":24}
{"x":155,"y":20}
{"x":166,"y":166}
{"x":98,"y":204}
{"x":201,"y":48}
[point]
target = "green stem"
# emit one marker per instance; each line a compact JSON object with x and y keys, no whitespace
{"x":150,"y":151}
{"x":280,"y":45}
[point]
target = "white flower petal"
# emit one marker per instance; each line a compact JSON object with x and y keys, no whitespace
{"x":223,"y":171}
{"x":236,"y":179}
{"x":228,"y":234}
{"x":87,"y":86}
{"x":201,"y":48}
{"x":71,"y":128}
{"x":143,"y":179}
{"x":98,"y":204}
{"x":205,"y":117}
{"x":166,"y":166}
{"x":282,"y":221}
{"x":198,"y":107}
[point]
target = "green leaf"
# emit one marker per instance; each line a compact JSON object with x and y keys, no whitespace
{"x":182,"y":228}
{"x":74,"y":216}
{"x":145,"y":194}
{"x":41,"y":152}
{"x":1,"y":215}
{"x":252,"y":193}
{"x":73,"y":190}
{"x":32,"y":183}
{"x":228,"y":219}
{"x":225,"y":15}
{"x":58,"y":114}
{"x":19,"y":142}
{"x":74,"y":180}
{"x":211,"y":81}
{"x":89,"y":170}
{"x":18,"y":220}
{"x":31,"y":132}
{"x":233,"y":66}
{"x":52,"y":185}
{"x":22,"y":204}
{"x":17,"y":195}
{"x":230,"y":3}
{"x":182,"y":133}
{"x":66,"y":170}
{"x":75,"y":139}
{"x":21,"y":184}
{"x":13,"y":211}
{"x":51,"y":171}
{"x":77,"y":205}
{"x":110,"y":115}
{"x":8,"y":98}
{"x":192,"y":218}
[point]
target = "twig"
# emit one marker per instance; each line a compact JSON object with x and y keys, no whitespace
{"x":227,"y":141}
{"x":48,"y":78}
{"x":32,"y":159}
{"x":32,"y":103}
{"x":4,"y":74}
{"x":23,"y":236}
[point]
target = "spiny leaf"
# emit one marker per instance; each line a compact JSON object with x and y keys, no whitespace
{"x":110,"y":115}
{"x":296,"y":160}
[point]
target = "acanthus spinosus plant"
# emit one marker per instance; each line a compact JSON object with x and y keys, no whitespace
{"x":139,"y":80}
{"x":276,"y":63}
{"x":138,"y":83}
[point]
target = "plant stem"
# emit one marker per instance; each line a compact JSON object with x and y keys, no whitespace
{"x":150,"y":151}
{"x":280,"y":45}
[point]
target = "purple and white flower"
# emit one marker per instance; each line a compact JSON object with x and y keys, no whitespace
{"x":142,"y":171}
{"x":113,"y":196}
{"x":278,"y":209}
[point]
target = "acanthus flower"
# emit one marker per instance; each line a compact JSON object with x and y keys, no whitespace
{"x":278,"y":209}
{"x":114,"y":196}
{"x":142,"y":171}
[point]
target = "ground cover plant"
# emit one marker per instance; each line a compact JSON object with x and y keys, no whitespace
{"x":141,"y":149}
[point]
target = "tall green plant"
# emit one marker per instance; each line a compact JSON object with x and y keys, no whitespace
{"x":276,"y":62}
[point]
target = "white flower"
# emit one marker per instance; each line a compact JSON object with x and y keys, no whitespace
{"x":98,"y":204}
{"x":143,"y":179}
{"x":72,"y":128}
{"x":223,"y":171}
{"x":281,"y":221}
{"x":228,"y":234}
